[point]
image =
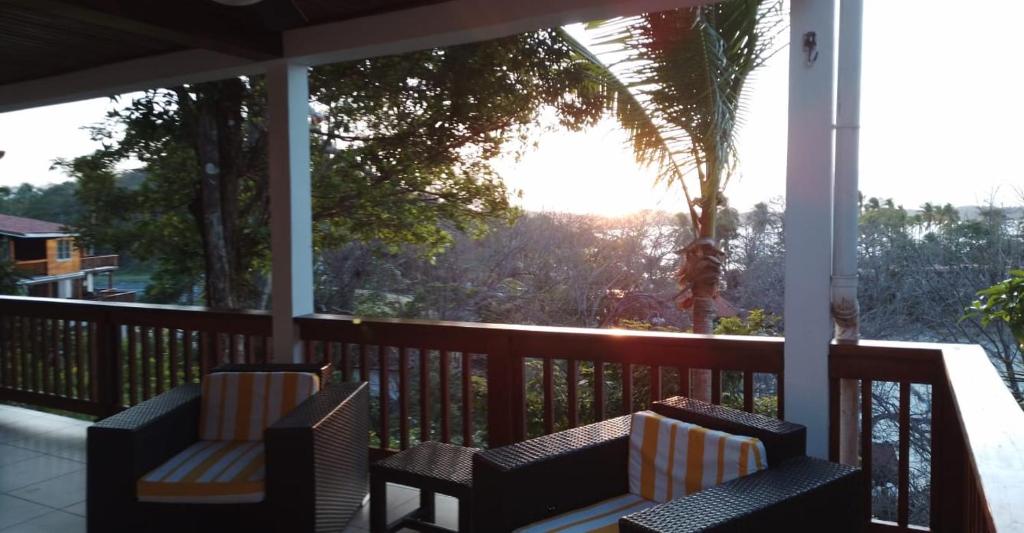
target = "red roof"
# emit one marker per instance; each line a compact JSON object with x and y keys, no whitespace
{"x":20,"y":226}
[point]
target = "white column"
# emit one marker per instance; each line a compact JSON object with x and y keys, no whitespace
{"x":291,"y":221}
{"x":846,"y":310}
{"x":808,"y":223}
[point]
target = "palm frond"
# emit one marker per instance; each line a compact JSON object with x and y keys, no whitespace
{"x":675,"y":83}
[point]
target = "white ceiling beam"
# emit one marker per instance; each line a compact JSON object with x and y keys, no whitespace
{"x":451,"y":23}
{"x":168,"y":70}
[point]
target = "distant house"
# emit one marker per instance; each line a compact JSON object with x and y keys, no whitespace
{"x":51,"y":265}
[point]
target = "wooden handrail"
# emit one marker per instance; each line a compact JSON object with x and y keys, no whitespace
{"x":99,"y":261}
{"x":34,"y":267}
{"x":992,"y":424}
{"x":977,"y":430}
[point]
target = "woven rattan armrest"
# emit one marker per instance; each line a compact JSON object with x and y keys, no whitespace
{"x":528,"y":481}
{"x":801,"y":494}
{"x":782,"y":440}
{"x":123,"y":447}
{"x":317,"y":461}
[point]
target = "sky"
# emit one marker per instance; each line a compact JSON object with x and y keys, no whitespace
{"x":941,"y":118}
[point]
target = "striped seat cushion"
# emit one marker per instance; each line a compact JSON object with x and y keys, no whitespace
{"x":208,"y":472}
{"x":669,"y":458}
{"x":601,"y":517}
{"x":240,"y":405}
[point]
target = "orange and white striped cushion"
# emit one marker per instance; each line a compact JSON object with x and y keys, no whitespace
{"x":240,"y":405}
{"x":602,"y":517}
{"x":669,"y":458}
{"x":208,"y":472}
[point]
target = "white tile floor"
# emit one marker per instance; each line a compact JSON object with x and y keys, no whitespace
{"x":42,"y":478}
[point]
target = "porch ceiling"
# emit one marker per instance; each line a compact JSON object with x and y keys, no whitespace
{"x":55,"y":51}
{"x":40,"y":38}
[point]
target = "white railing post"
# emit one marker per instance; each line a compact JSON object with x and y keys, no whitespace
{"x":808,"y":223}
{"x":291,"y":220}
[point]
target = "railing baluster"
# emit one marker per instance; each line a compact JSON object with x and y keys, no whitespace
{"x":571,"y":379}
{"x":716,"y":386}
{"x":186,"y":350}
{"x":748,"y":391}
{"x":866,"y":428}
{"x":780,"y":395}
{"x":66,"y":343}
{"x":158,"y":347}
{"x":146,"y":345}
{"x":599,"y":391}
{"x":6,"y":345}
{"x":346,"y":363}
{"x":80,"y":367}
{"x":549,"y":396}
{"x":309,"y":350}
{"x":250,"y":349}
{"x":218,"y":350}
{"x":403,"y":398}
{"x":232,"y":348}
{"x":445,"y":396}
{"x":627,"y":388}
{"x":172,"y":343}
{"x":45,"y":355}
{"x":384,"y":388}
{"x":425,"y":414}
{"x":5,"y":370}
{"x":133,"y":372}
{"x":655,"y":377}
{"x":24,"y":351}
{"x":364,"y":363}
{"x":33,"y":354}
{"x":903,"y":491}
{"x":467,"y":398}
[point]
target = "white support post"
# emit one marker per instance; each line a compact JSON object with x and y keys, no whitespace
{"x":291,"y":220}
{"x":808,"y":223}
{"x":845,"y":308}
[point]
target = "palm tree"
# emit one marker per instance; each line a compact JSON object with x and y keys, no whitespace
{"x":929,"y":215}
{"x":675,"y":83}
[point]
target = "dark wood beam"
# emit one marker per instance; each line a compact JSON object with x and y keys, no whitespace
{"x":188,"y":23}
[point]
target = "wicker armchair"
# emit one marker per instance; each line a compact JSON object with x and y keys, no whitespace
{"x":315,"y":457}
{"x":530,"y":481}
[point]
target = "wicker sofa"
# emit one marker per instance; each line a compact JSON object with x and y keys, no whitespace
{"x":530,"y":481}
{"x":315,"y":457}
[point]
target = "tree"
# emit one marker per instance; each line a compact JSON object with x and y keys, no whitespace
{"x":678,"y":82}
{"x":400,"y":151}
{"x":679,"y":94}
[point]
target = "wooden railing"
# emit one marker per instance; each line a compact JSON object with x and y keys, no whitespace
{"x":97,"y":358}
{"x":527,"y":380}
{"x":99,"y":261}
{"x":484,"y":384}
{"x":951,"y":422}
{"x":938,"y":413}
{"x":31,"y":268}
{"x":113,"y":295}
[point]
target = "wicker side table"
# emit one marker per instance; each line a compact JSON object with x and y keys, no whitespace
{"x":431,"y":467}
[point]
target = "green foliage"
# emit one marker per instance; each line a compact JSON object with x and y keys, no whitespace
{"x":53,"y":203}
{"x":642,"y":325}
{"x":401,"y":151}
{"x":757,"y":322}
{"x":8,"y":276}
{"x":1003,"y":302}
